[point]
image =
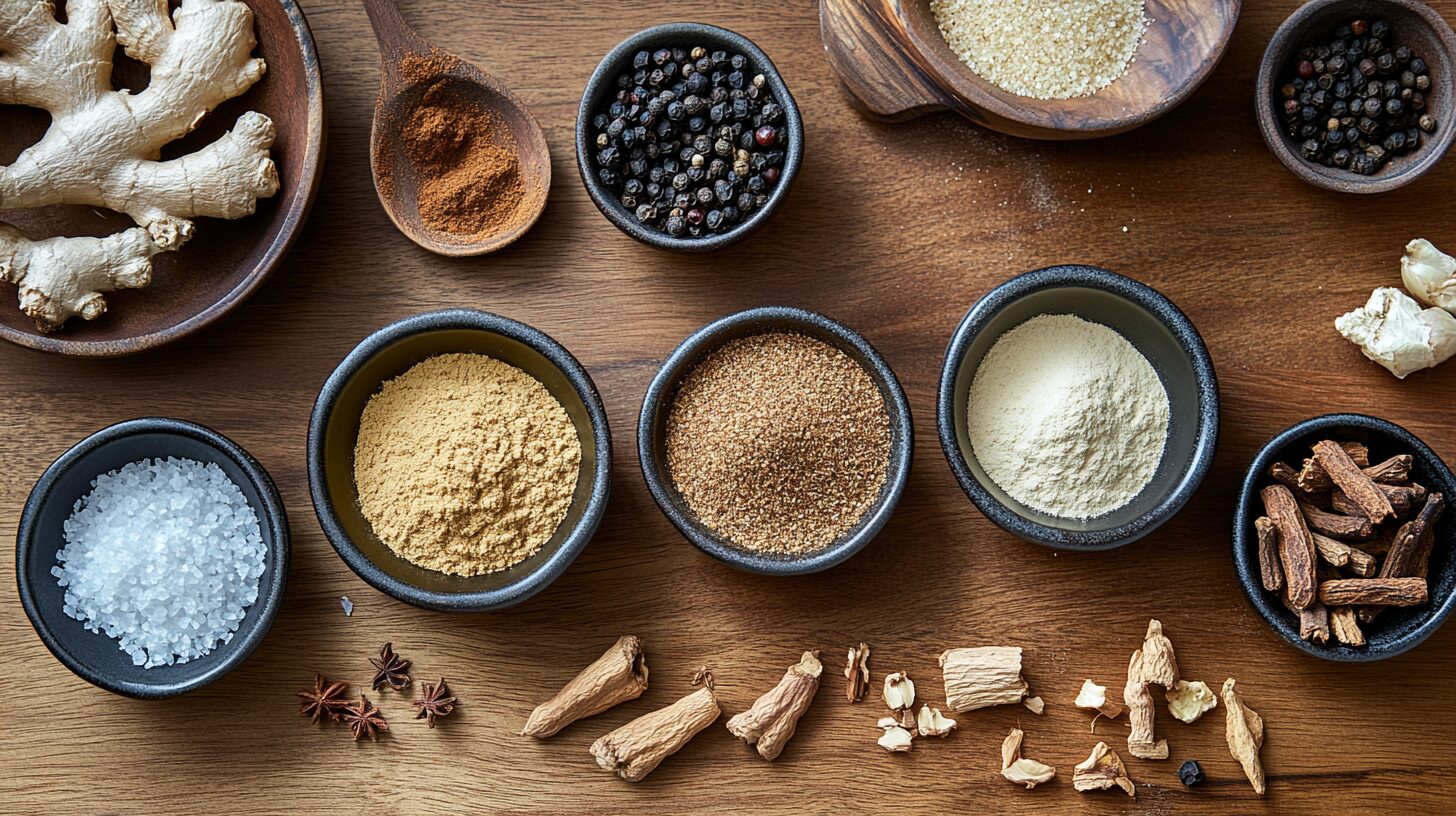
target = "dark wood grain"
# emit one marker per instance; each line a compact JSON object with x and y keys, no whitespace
{"x":895,"y":230}
{"x":896,"y":65}
{"x":227,"y":260}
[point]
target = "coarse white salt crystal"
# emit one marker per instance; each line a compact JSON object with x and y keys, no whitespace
{"x":163,"y":555}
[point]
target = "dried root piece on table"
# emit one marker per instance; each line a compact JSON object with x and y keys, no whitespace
{"x":1101,"y":771}
{"x":1344,"y":556}
{"x":1402,"y":498}
{"x":1244,"y":730}
{"x":930,"y":722}
{"x":1352,"y":481}
{"x":1337,"y":525}
{"x":1190,"y":699}
{"x":1394,"y":331}
{"x":1094,"y":698}
{"x":770,"y":723}
{"x":616,"y":677}
{"x":103,"y":146}
{"x":1296,"y":545}
{"x":1271,"y":575}
{"x":635,"y":749}
{"x":1374,"y":592}
{"x":1287,"y":476}
{"x":899,"y":691}
{"x":897,"y":739}
{"x":1402,"y":559}
{"x":1035,"y":705}
{"x":1345,"y":625}
{"x":1140,"y":711}
{"x":857,"y":672}
{"x":982,"y":676}
{"x":1017,"y":768}
{"x":1312,"y":477}
{"x":1159,"y":664}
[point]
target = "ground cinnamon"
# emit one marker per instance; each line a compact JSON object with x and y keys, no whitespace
{"x":464,"y":156}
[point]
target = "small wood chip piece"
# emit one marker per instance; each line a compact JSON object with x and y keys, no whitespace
{"x":1374,"y":592}
{"x":1017,"y":769}
{"x":982,"y":676}
{"x":1348,"y":476}
{"x":1244,"y":730}
{"x":857,"y":672}
{"x":1270,"y":573}
{"x":1296,"y":545}
{"x":1102,"y":770}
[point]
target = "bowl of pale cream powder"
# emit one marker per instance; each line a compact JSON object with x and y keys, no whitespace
{"x":1078,"y":408}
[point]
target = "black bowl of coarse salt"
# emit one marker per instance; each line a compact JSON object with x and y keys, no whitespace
{"x":776,"y":440}
{"x":152,"y":557}
{"x":687,"y":137}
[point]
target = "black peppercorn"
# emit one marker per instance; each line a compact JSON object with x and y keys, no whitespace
{"x":1191,"y":773}
{"x":1427,"y":123}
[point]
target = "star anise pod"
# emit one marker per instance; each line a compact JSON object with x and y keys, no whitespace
{"x":325,"y":700}
{"x":392,"y":670}
{"x":364,"y":719}
{"x":435,"y":702}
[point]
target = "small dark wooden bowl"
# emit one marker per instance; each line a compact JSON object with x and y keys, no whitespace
{"x":896,"y":65}
{"x":652,"y":436}
{"x":95,"y":657}
{"x":598,"y":95}
{"x":334,"y":428}
{"x":1397,"y":630}
{"x":1416,"y":25}
{"x":227,"y":260}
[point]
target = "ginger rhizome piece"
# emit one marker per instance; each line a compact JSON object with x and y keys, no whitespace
{"x":1159,"y":664}
{"x":103,"y":147}
{"x":616,"y":677}
{"x":1244,"y":730}
{"x":982,"y":676}
{"x":1018,"y":769}
{"x":1140,"y":711}
{"x":1102,"y":770}
{"x":770,"y":723}
{"x":635,"y":749}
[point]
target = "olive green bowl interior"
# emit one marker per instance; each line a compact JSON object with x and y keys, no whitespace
{"x":340,"y":429}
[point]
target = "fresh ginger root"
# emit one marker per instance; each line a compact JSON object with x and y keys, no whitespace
{"x":103,"y":148}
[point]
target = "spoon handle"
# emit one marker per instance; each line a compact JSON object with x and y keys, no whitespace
{"x":396,"y":38}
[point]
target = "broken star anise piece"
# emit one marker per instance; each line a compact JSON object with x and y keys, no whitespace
{"x":391,"y":669}
{"x":435,"y":702}
{"x":364,"y":719}
{"x":325,"y":700}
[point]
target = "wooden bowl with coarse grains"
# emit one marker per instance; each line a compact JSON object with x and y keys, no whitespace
{"x":896,"y":62}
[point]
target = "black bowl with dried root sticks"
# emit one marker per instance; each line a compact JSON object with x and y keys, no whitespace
{"x":1342,"y":538}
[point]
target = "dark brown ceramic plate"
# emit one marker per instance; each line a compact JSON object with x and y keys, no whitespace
{"x":226,"y":260}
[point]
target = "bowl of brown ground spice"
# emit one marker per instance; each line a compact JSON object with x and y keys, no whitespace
{"x":459,"y":460}
{"x":776,"y":440}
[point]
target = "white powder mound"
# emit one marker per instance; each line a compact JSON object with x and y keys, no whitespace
{"x":164,"y":556}
{"x":1067,"y":417}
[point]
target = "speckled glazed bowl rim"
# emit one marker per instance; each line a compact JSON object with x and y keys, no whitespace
{"x":763,"y":320}
{"x":600,"y":84}
{"x":570,"y":547}
{"x":1162,"y":309}
{"x":273,"y":523}
{"x":1246,"y":560}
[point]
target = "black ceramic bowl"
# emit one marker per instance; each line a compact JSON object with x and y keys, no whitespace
{"x":602,"y":88}
{"x":1162,"y":333}
{"x":1398,"y":629}
{"x":652,"y":436}
{"x":95,"y":657}
{"x":390,"y":352}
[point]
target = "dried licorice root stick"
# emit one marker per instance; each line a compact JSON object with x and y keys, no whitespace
{"x":1313,"y":479}
{"x":616,"y":677}
{"x":1400,"y":562}
{"x":1374,"y":592}
{"x":1347,"y":476}
{"x":770,"y":723}
{"x":1296,"y":546}
{"x":1270,"y":573}
{"x":1335,"y":525}
{"x":1342,"y":555}
{"x":636,"y":748}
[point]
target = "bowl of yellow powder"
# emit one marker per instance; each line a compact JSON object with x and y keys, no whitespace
{"x":459,"y":460}
{"x":1078,"y":408}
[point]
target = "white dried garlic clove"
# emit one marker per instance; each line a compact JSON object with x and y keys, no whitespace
{"x":1429,"y":274}
{"x":1094,"y":698}
{"x":931,"y":723}
{"x":1018,"y":769}
{"x":1189,"y":700}
{"x":1394,"y":331}
{"x":899,"y":691}
{"x":895,"y":739}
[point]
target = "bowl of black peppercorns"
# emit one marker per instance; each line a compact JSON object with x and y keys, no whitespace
{"x":1356,"y":95}
{"x":687,"y":138}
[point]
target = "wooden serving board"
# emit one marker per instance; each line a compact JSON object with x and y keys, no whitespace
{"x":895,"y":230}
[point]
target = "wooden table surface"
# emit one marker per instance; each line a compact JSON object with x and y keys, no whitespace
{"x":895,"y":230}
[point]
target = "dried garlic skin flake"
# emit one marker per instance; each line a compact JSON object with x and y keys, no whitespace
{"x":1429,"y":274}
{"x":1019,"y":770}
{"x":1035,"y":705}
{"x":1102,"y":770}
{"x":1094,"y":698}
{"x":1393,"y":330}
{"x":896,"y":740}
{"x":1189,"y":700}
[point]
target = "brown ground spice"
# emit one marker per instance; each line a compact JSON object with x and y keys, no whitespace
{"x":779,"y":442}
{"x":464,"y":156}
{"x":465,"y":464}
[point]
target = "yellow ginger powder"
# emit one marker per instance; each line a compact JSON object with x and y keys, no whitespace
{"x":465,"y":464}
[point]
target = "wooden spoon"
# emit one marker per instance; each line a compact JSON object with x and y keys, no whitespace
{"x":409,"y":67}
